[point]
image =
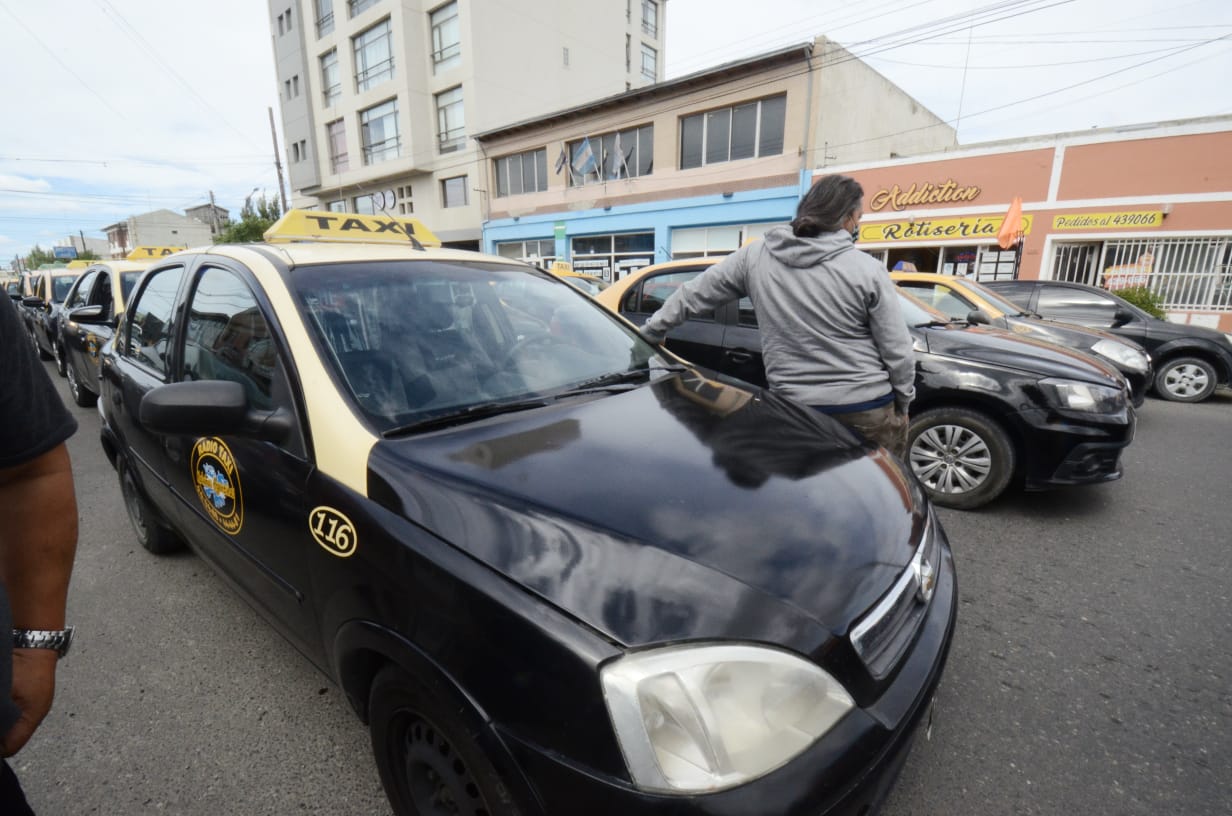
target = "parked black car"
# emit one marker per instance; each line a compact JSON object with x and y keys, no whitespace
{"x":43,"y":309}
{"x":966,"y":299}
{"x":990,"y":406}
{"x":91,"y":312}
{"x":1190,"y":361}
{"x":556,"y":570}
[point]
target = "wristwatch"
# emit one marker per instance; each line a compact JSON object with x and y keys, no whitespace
{"x":57,"y":639}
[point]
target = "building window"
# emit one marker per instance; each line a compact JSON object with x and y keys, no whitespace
{"x":335,"y":134}
{"x":446,"y":42}
{"x":282,"y":25}
{"x":650,"y":62}
{"x":294,"y":157}
{"x":303,"y":149}
{"x":286,"y":84}
{"x":650,"y":18}
{"x":374,"y":61}
{"x":379,"y":132}
{"x":406,"y":204}
{"x":453,"y":192}
{"x":522,"y":173}
{"x":364,"y":205}
{"x":538,"y":251}
{"x":325,"y":17}
{"x":450,"y":120}
{"x":740,"y":132}
{"x":619,"y":154}
{"x":337,"y":206}
{"x":331,"y":78}
{"x":357,"y":7}
{"x":288,"y":20}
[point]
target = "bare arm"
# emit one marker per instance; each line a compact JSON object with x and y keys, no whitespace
{"x":37,"y":545}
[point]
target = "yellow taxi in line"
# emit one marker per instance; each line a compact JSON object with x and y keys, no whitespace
{"x":91,"y":312}
{"x":967,"y":300}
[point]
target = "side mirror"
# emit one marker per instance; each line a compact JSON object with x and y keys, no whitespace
{"x":1121,"y":317}
{"x":33,"y":301}
{"x":979,"y":317}
{"x":89,"y":315}
{"x":210,"y":408}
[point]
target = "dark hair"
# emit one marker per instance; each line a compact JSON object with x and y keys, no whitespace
{"x":826,"y":205}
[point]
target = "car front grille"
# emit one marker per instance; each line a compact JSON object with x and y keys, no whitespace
{"x":882,"y":636}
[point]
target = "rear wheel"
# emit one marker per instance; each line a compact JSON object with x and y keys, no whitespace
{"x":37,"y":348}
{"x":428,"y":759}
{"x":150,"y":532}
{"x":962,"y":458}
{"x":1185,"y":379}
{"x":81,"y":395}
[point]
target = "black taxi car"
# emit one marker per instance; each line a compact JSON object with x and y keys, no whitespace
{"x":555,"y":569}
{"x":43,"y":308}
{"x":991,"y":408}
{"x":90,"y":313}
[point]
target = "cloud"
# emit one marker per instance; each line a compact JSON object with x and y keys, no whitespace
{"x":22,"y":184}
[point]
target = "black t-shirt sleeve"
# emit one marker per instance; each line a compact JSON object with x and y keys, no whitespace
{"x":33,"y":418}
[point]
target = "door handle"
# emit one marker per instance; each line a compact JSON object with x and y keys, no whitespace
{"x":739,"y":356}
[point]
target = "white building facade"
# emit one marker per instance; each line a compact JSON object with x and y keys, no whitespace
{"x":163,"y":228}
{"x":380,"y":99}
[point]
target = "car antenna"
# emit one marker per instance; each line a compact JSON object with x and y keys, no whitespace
{"x":414,"y":241}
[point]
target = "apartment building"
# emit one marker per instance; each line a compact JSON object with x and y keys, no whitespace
{"x":380,"y":98}
{"x":163,"y":228}
{"x":694,"y":166}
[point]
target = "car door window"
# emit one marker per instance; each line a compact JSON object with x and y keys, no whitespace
{"x":80,"y":295}
{"x":1077,"y":306}
{"x":747,"y":315}
{"x":650,"y":295}
{"x":147,"y":336}
{"x":100,"y":294}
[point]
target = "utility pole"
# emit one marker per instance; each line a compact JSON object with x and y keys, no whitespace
{"x":83,"y":241}
{"x":213,"y":215}
{"x":282,"y":191}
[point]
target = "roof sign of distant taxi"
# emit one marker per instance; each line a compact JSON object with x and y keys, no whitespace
{"x":318,"y":225}
{"x":148,"y":253}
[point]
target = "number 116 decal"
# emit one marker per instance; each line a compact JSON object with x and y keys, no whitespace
{"x":333,"y":531}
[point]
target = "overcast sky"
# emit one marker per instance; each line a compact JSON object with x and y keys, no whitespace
{"x":117,"y":107}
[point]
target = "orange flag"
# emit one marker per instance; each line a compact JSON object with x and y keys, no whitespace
{"x":1012,"y":225}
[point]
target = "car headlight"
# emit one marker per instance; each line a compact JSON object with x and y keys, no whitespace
{"x":1123,"y":355}
{"x":1080,"y":396}
{"x":701,"y":718}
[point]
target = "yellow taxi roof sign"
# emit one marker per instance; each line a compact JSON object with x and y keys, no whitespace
{"x":78,"y":264}
{"x":149,"y":253}
{"x":330,"y":227}
{"x":561,"y":266}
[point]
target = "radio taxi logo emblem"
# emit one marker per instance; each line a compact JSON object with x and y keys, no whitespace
{"x":333,"y":531}
{"x":92,"y":345}
{"x":218,"y":484}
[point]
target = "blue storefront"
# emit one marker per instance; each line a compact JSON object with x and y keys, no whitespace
{"x":610,"y":241}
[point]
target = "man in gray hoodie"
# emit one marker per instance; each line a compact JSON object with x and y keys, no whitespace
{"x":832,"y":334}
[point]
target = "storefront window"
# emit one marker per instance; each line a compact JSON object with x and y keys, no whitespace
{"x":611,"y":257}
{"x":541,"y":251}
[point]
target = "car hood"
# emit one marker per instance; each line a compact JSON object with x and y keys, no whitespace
{"x":1010,"y":350}
{"x":683,"y":509}
{"x":1069,"y":335}
{"x":1165,"y":330}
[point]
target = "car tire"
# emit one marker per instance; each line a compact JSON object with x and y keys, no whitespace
{"x":150,"y":531}
{"x":428,"y":758}
{"x":83,"y":396}
{"x":57,"y":351}
{"x":1185,"y":379}
{"x":962,"y":458}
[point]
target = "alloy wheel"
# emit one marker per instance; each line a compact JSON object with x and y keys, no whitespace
{"x":951,"y":459}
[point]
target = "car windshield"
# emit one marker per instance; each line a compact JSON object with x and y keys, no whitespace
{"x":589,"y":285}
{"x":416,"y":341}
{"x":916,"y":313}
{"x":1004,"y":304}
{"x":127,"y":281}
{"x":60,"y":285}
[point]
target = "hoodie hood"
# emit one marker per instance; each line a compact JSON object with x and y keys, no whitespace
{"x":792,"y":250}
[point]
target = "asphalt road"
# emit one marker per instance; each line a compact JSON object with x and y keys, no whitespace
{"x":1090,"y":672}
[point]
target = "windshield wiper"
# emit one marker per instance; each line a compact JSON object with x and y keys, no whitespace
{"x":618,"y":380}
{"x":933,"y":324}
{"x":468,"y":414}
